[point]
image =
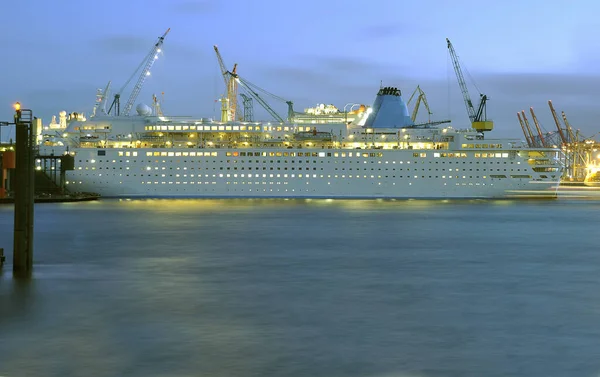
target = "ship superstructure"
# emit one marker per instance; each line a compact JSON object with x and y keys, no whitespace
{"x":386,"y":157}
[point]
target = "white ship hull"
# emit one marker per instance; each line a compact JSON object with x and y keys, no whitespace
{"x":325,"y":173}
{"x":384,"y":155}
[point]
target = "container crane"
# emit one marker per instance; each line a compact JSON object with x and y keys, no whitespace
{"x":563,"y":138}
{"x":534,"y":141}
{"x":580,"y":160}
{"x":537,"y":127}
{"x":527,"y":138}
{"x":572,"y":137}
{"x":145,"y":66}
{"x":477,"y":117}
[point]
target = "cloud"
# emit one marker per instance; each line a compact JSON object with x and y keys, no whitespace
{"x":334,"y":71}
{"x":582,"y":87}
{"x":347,"y":64}
{"x":140,"y":46}
{"x":384,"y":31}
{"x":194,"y":7}
{"x":120,"y":44}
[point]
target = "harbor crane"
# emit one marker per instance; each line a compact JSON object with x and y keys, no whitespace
{"x":534,"y":140}
{"x":477,"y":117}
{"x":253,"y":91}
{"x":538,"y":128}
{"x":577,"y":149}
{"x":420,"y":98}
{"x":232,"y":79}
{"x":526,"y":131}
{"x":145,"y":67}
{"x":231,"y":85}
{"x":563,"y":138}
{"x":248,"y":108}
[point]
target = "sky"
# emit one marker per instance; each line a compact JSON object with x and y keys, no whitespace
{"x":519,"y":53}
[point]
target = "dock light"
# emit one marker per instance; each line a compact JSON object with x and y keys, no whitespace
{"x":17,"y":106}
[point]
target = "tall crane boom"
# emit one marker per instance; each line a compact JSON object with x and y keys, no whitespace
{"x":533,"y":139}
{"x":461,"y":81}
{"x":572,"y":137}
{"x":477,"y":117}
{"x":221,"y":65}
{"x":557,"y":121}
{"x":537,"y":127}
{"x":145,"y":65}
{"x":527,"y":138}
{"x":231,"y":84}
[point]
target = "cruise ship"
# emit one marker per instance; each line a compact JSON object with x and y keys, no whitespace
{"x":379,"y":154}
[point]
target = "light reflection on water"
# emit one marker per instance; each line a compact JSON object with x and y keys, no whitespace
{"x":239,"y":287}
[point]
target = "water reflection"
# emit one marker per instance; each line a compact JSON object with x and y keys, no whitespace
{"x":296,"y":288}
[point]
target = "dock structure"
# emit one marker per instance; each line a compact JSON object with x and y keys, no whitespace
{"x":49,"y":178}
{"x":579,"y":154}
{"x":21,"y":159}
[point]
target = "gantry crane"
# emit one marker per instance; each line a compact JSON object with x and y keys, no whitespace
{"x":420,"y":98}
{"x":537,"y":127}
{"x":572,"y":137}
{"x":477,"y":117}
{"x":530,"y":142}
{"x":145,"y":67}
{"x":580,"y":159}
{"x":557,"y":121}
{"x":534,"y":141}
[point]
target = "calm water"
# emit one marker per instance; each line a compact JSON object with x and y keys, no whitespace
{"x":306,"y":288}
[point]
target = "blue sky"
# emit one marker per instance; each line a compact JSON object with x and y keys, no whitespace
{"x":520,"y":53}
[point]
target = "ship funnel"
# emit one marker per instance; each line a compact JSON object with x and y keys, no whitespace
{"x":389,"y":110}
